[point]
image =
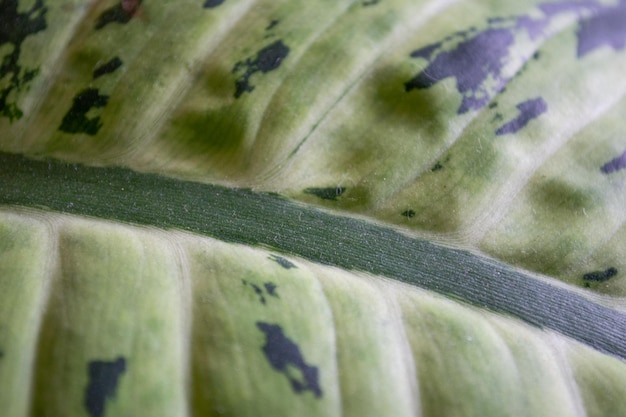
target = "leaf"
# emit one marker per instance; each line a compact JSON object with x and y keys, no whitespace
{"x":446,"y":134}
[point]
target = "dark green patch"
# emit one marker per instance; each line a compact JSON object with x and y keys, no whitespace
{"x":266,"y":60}
{"x":258,"y":291}
{"x":257,"y":219}
{"x":15,"y":27}
{"x":559,"y":195}
{"x":270,"y":288}
{"x":285,"y":357}
{"x":210,"y":4}
{"x":218,"y":131}
{"x":272,"y":24}
{"x":600,"y":276}
{"x":408,"y":213}
{"x":438,"y":166}
{"x":282,"y":262}
{"x":107,"y":68}
{"x":122,"y":13}
{"x":328,"y":193}
{"x":370,"y":3}
{"x":76,"y":120}
{"x":103,"y":380}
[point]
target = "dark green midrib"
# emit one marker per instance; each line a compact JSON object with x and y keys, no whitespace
{"x":243,"y":216}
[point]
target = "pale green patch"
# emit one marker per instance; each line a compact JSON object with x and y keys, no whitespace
{"x":183,"y":311}
{"x":373,"y":352}
{"x":335,"y":114}
{"x":231,"y":373}
{"x":26,"y":266}
{"x":141,"y":322}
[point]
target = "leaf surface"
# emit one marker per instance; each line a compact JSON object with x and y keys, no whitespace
{"x":474,"y":151}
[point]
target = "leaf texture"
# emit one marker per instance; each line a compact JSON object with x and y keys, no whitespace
{"x":494,"y":130}
{"x":187,"y":314}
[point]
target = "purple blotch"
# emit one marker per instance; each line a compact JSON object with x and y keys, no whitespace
{"x":285,"y":357}
{"x":103,"y":380}
{"x":555,"y":8}
{"x":107,"y":68}
{"x":267,"y":59}
{"x":605,"y":29}
{"x":614,"y":164}
{"x":426,"y":52}
{"x":529,"y":109}
{"x":600,"y":276}
{"x":76,"y":120}
{"x":534,"y":27}
{"x":472,"y":62}
{"x":478,"y":59}
{"x":209,"y":4}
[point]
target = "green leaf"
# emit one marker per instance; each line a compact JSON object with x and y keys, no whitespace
{"x":312,"y":208}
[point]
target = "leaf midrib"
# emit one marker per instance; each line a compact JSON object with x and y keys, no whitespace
{"x":259,"y":219}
